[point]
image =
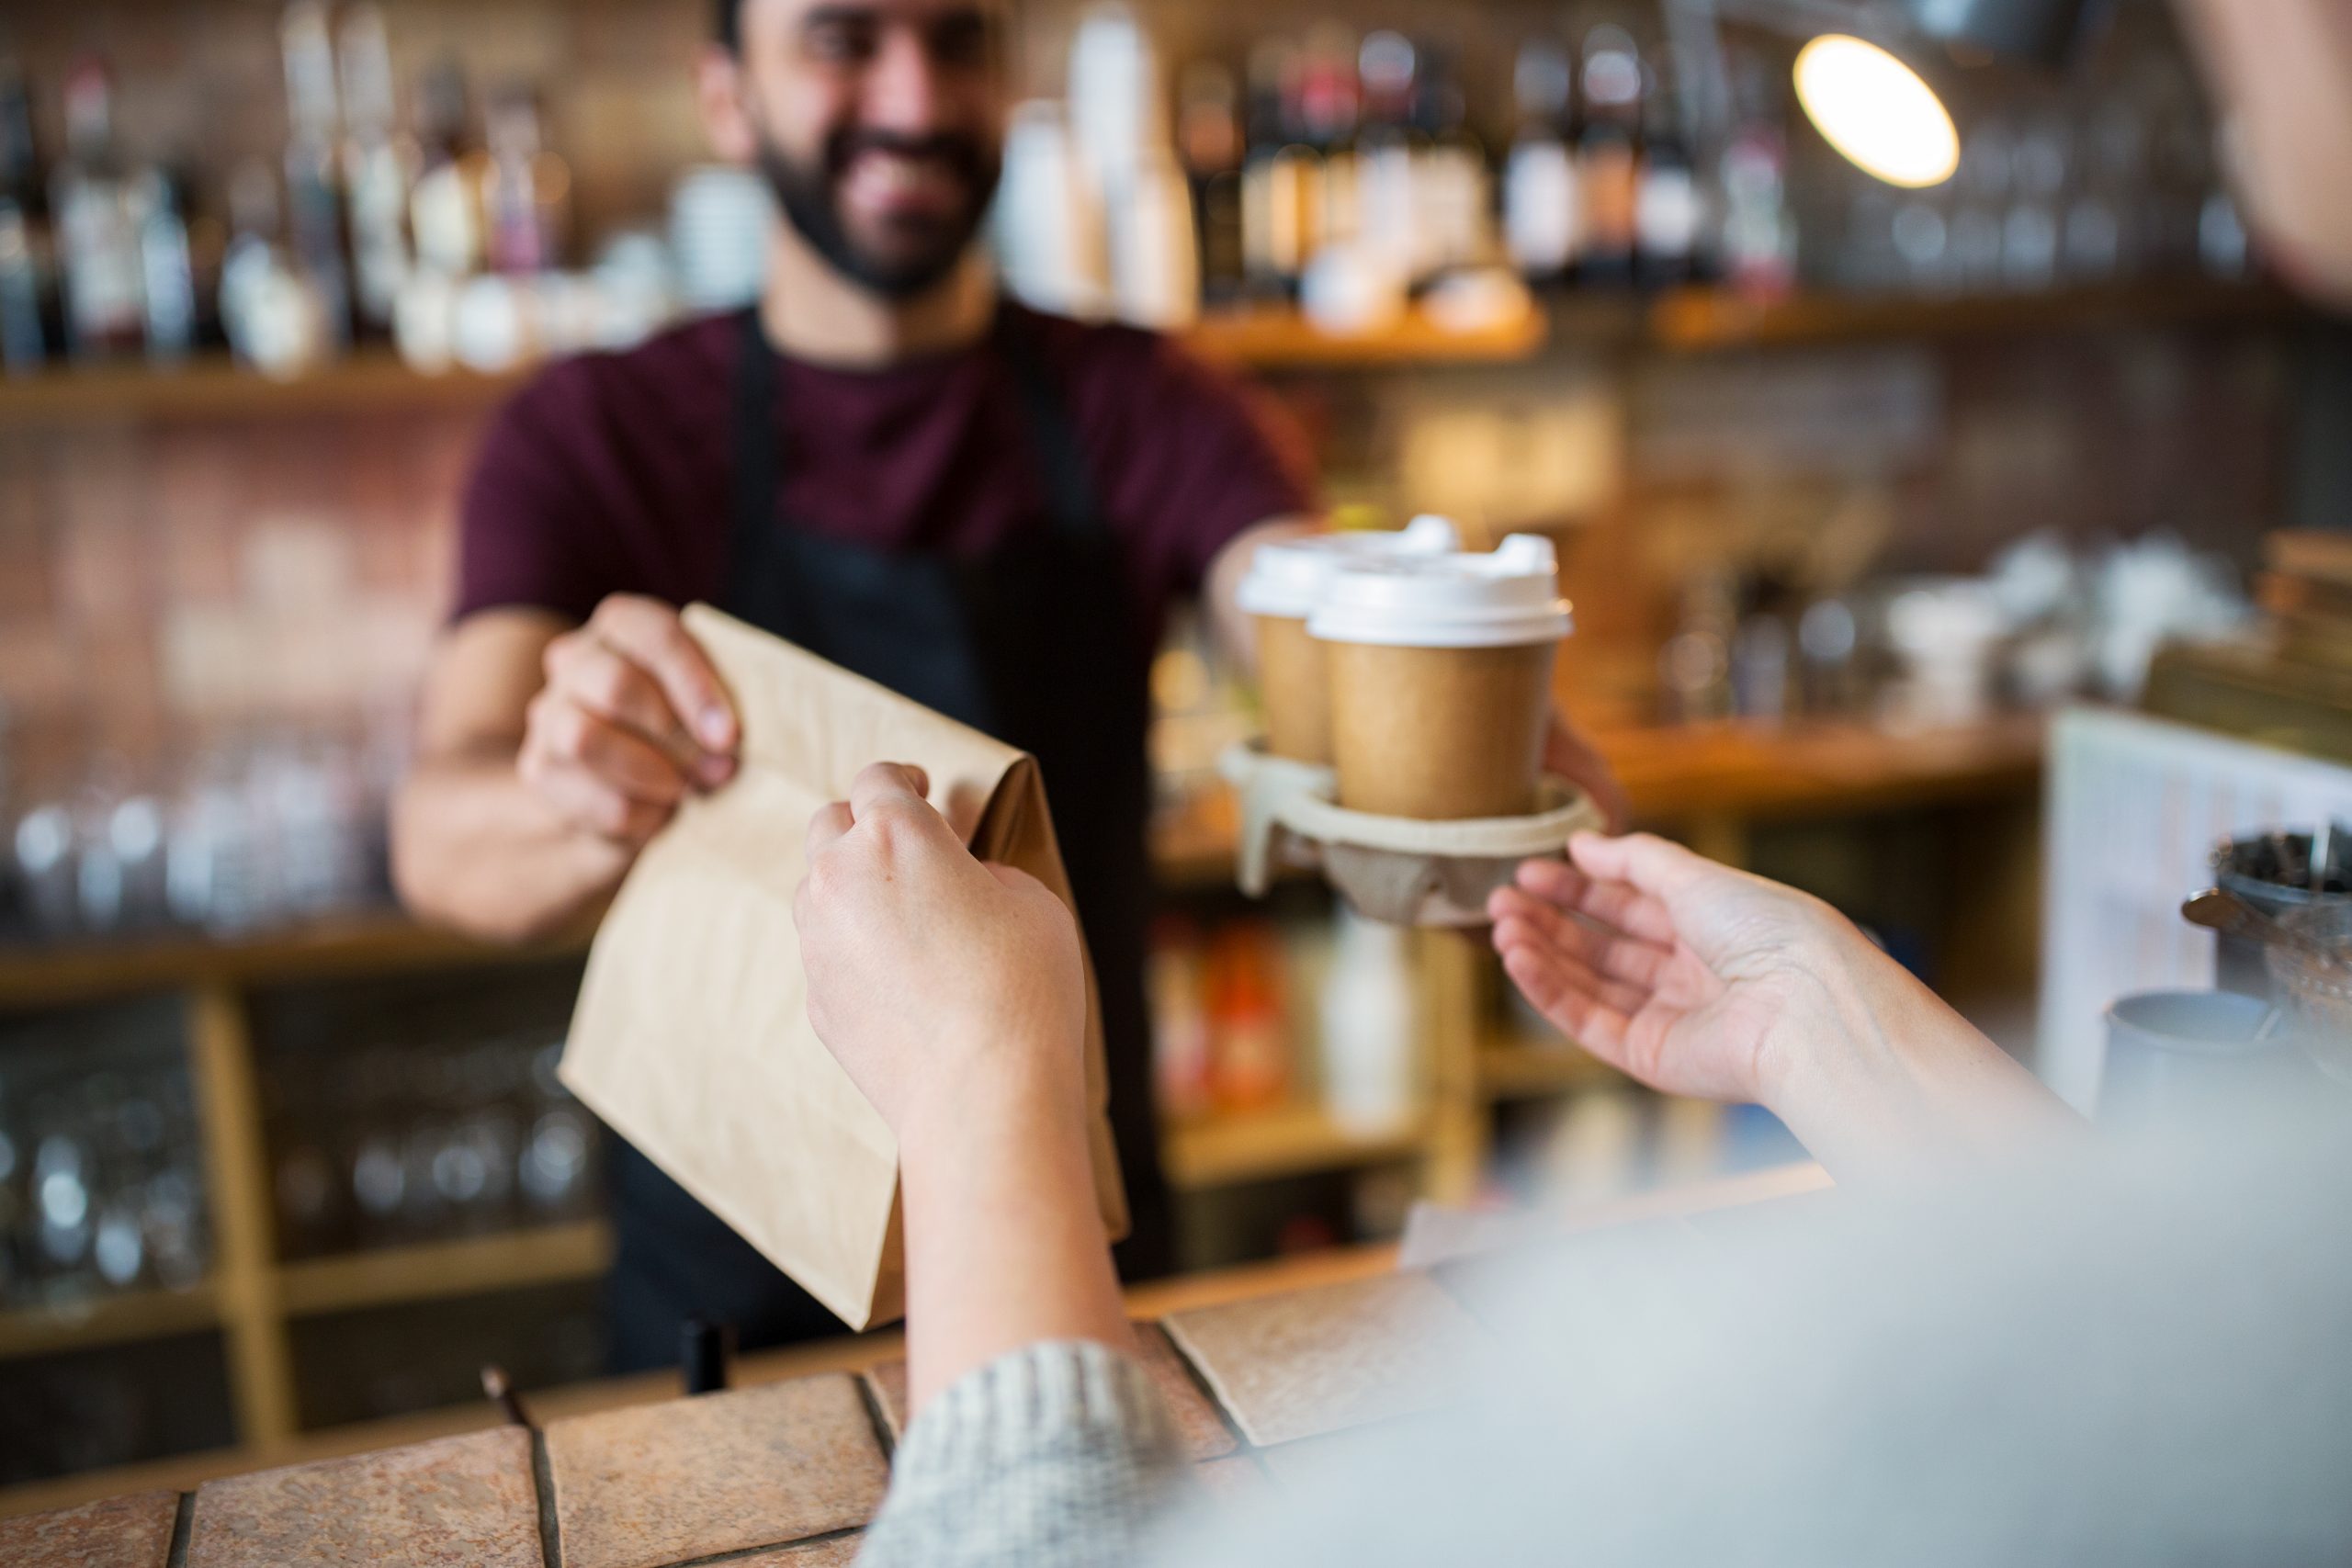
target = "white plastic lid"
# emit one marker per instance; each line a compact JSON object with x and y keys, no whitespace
{"x":1287,"y":578}
{"x":1453,"y":600}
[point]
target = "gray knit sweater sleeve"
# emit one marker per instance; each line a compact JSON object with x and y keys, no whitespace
{"x":1056,"y":1456}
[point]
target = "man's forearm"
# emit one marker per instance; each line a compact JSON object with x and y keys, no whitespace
{"x":474,"y":848}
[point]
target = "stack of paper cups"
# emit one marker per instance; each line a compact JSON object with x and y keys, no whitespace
{"x":1285,"y":584}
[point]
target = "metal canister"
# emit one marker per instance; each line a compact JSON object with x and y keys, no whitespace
{"x":2273,"y":872}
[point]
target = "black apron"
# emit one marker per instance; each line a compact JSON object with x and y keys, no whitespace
{"x":1032,"y":642}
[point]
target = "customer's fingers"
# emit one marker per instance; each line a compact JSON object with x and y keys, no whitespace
{"x":1565,"y":967}
{"x":1614,"y":903}
{"x":882,"y":785}
{"x":1580,"y":1014}
{"x":1609,"y":951}
{"x":826,"y":825}
{"x":1659,"y":867}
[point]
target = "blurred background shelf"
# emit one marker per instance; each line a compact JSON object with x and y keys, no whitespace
{"x":108,"y":1320}
{"x":1703,"y":320}
{"x":1512,"y":1068}
{"x":1268,"y":338}
{"x":217,"y":390}
{"x":375,"y":942}
{"x":1285,"y":1142}
{"x":470,"y":1266}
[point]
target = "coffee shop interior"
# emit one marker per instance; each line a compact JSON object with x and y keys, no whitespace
{"x":1952,"y":541}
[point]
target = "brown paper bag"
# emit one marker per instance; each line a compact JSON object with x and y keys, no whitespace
{"x":692,"y":1037}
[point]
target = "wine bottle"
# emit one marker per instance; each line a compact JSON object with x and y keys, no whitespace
{"x":1540,"y":212}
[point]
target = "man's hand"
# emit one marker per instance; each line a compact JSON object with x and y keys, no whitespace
{"x":1567,"y":753}
{"x":946,"y":988}
{"x":632,"y":716}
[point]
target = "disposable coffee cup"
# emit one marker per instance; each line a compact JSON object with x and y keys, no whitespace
{"x":1285,"y":583}
{"x":1441,"y":679}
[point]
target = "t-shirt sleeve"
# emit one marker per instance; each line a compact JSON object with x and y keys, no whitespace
{"x":1206,"y":457}
{"x":529,"y":526}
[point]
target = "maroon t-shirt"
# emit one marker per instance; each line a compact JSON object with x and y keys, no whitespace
{"x":612,"y":472}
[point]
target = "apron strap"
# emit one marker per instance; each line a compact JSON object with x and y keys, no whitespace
{"x":752,"y":503}
{"x":1069,"y":493}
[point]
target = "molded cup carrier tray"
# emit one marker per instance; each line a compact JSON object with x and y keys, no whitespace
{"x":1401,"y":870}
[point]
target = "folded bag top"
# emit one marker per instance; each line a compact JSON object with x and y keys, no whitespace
{"x":691,"y":1039}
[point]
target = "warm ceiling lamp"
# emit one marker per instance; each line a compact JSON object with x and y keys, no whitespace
{"x":1877,"y":111}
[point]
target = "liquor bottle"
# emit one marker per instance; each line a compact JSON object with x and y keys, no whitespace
{"x":1388,"y":154}
{"x":24,"y":337}
{"x":313,"y":194}
{"x":168,"y":274}
{"x":1668,"y":211}
{"x":98,"y":232}
{"x":1328,"y":97}
{"x":1209,"y":142}
{"x":524,"y":188}
{"x":1452,"y":191}
{"x":1540,"y":214}
{"x":1756,"y":240}
{"x":1279,"y":174}
{"x":376,"y":168}
{"x":444,"y":205}
{"x":1608,"y":167}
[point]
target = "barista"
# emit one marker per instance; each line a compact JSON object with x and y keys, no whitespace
{"x":984,"y":508}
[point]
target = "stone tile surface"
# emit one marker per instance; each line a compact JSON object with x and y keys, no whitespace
{"x":1314,"y":1361}
{"x":132,"y":1531}
{"x":1204,"y":1432}
{"x":838,"y":1551}
{"x":458,"y":1500}
{"x":722,"y":1473}
{"x":887,"y":1384}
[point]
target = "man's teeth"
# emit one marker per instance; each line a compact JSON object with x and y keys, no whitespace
{"x":891,"y":173}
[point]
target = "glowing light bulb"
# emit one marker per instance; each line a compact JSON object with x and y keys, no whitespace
{"x":1877,"y":111}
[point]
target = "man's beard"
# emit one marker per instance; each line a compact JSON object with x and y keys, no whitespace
{"x":809,"y":195}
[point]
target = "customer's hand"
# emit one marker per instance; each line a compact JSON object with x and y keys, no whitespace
{"x":1700,"y":980}
{"x":632,"y":717}
{"x":933,"y":977}
{"x":1687,"y":974}
{"x":955,"y":995}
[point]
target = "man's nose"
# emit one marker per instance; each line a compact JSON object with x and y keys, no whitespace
{"x":901,"y":87}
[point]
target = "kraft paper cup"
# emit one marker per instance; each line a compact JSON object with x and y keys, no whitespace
{"x":1441,"y":680}
{"x":1283,"y":585}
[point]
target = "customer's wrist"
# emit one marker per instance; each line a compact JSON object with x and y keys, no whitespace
{"x":981,"y":1099}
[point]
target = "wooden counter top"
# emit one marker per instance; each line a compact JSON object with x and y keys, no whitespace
{"x":1193,"y":1298}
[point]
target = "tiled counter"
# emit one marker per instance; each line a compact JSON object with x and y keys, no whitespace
{"x":785,"y":1474}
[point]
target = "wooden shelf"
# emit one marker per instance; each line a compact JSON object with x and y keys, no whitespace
{"x":377,"y":381}
{"x":1275,"y":339}
{"x":431,"y":1270}
{"x":381,"y":943}
{"x":1291,"y":1141}
{"x":1757,"y":770}
{"x":373,"y":381}
{"x":108,"y":1320}
{"x":1524,"y":1070}
{"x":1694,"y":320}
{"x":1705,"y":320}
